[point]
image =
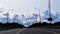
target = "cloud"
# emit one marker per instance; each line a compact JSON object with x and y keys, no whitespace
{"x":27,"y":18}
{"x":55,"y":16}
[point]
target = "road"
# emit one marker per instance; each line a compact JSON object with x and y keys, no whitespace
{"x":30,"y":31}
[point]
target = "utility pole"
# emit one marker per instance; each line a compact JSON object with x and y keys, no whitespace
{"x":49,"y":8}
{"x":50,"y":18}
{"x":7,"y":17}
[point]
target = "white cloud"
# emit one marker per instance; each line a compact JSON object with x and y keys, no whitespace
{"x":25,"y":7}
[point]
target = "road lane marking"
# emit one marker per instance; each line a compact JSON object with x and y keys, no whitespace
{"x":20,"y":31}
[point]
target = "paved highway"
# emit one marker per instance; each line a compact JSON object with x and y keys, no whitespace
{"x":30,"y":31}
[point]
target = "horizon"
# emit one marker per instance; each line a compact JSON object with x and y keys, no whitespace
{"x":26,"y":7}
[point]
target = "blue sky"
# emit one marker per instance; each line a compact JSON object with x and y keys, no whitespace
{"x":26,"y":7}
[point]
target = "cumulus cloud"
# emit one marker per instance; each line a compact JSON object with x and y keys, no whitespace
{"x":27,"y":19}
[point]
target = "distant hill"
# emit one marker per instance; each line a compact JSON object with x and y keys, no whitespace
{"x":46,"y":25}
{"x":13,"y":25}
{"x":57,"y":23}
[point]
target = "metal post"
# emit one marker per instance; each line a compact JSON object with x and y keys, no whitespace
{"x":7,"y":16}
{"x":40,"y":15}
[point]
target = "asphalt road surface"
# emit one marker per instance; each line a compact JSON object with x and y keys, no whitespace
{"x":31,"y":31}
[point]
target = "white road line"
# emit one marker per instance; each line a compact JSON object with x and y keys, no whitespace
{"x":20,"y":31}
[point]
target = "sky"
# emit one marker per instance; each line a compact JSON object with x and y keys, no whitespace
{"x":26,"y":7}
{"x":29,"y":5}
